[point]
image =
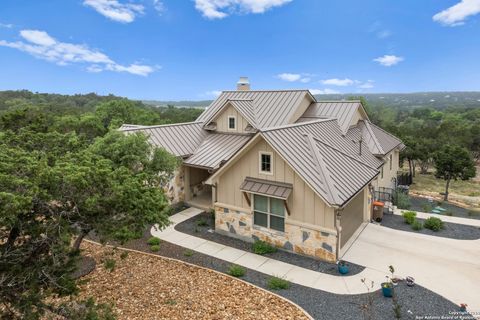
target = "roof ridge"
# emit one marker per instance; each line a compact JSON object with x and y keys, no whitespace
{"x":277,"y":90}
{"x":391,"y":135}
{"x":338,"y":101}
{"x":296,"y":124}
{"x":165,"y":125}
{"x":322,"y":168}
{"x":344,"y":153}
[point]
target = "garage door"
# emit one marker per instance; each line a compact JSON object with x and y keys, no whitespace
{"x":352,"y":218}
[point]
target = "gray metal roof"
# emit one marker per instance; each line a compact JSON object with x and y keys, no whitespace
{"x":343,"y":111}
{"x":216,"y":149}
{"x":179,"y":139}
{"x":378,"y":140}
{"x":330,"y":169}
{"x":268,"y":188}
{"x":271,"y":108}
{"x":247,"y":109}
{"x":127,"y":126}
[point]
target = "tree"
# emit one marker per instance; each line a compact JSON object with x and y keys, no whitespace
{"x":453,"y":162}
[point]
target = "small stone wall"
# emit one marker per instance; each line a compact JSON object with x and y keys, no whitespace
{"x":298,"y":239}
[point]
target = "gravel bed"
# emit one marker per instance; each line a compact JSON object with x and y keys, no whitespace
{"x":415,"y":301}
{"x":191,"y":227}
{"x":450,"y":230}
{"x":419,"y":203}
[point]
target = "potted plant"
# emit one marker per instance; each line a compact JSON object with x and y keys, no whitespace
{"x":343,"y":267}
{"x":463,"y":307}
{"x":387,"y":287}
{"x":410,"y":281}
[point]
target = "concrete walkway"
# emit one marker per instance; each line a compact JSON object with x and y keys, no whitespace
{"x":424,"y":215}
{"x":309,"y":278}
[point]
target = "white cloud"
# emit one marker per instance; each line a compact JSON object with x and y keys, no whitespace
{"x":41,"y":45}
{"x":323,"y":91}
{"x":293,"y":77}
{"x":338,"y":82}
{"x":159,"y":6}
{"x":388,"y":60}
{"x":366,"y":85}
{"x":114,"y":10}
{"x":219,"y":9}
{"x":456,"y":15}
{"x":6,"y":25}
{"x":383,"y":34}
{"x":213,"y":93}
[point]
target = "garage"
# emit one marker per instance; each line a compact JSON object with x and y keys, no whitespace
{"x":352,"y":217}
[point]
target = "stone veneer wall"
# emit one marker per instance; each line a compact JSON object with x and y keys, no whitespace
{"x":296,"y":238}
{"x":175,"y":189}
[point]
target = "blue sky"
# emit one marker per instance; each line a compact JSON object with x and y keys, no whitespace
{"x":191,"y":49}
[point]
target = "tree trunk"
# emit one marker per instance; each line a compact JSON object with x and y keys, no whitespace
{"x":78,"y":241}
{"x":413,"y":167}
{"x":410,"y":167}
{"x":446,"y":190}
{"x":12,"y":237}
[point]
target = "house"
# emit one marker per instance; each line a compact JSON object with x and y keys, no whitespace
{"x":281,"y":166}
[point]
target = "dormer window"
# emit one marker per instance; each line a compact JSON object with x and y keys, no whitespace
{"x":232,"y":123}
{"x":266,"y":165}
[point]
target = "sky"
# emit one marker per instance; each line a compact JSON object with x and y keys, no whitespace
{"x":193,"y":49}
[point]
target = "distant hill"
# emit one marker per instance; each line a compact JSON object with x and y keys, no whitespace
{"x":437,"y":100}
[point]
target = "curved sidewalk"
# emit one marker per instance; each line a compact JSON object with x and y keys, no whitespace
{"x":309,"y":278}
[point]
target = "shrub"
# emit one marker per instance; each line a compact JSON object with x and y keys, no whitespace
{"x":188,"y":253}
{"x":417,"y":225}
{"x":236,"y":271}
{"x":262,"y":247}
{"x":409,"y":216}
{"x":401,"y":200}
{"x":109,"y":264}
{"x":202,"y":222}
{"x":155,"y":247}
{"x":124,"y":255}
{"x":275,"y":283}
{"x":433,"y":223}
{"x":427,"y":207}
{"x":154,"y":241}
{"x":448,"y":213}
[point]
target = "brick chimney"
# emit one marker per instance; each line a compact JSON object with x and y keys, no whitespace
{"x":243,"y":84}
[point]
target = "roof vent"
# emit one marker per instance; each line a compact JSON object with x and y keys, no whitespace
{"x":243,"y":84}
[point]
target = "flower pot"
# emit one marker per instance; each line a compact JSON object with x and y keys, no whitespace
{"x":463,"y":307}
{"x":387,"y":289}
{"x":343,"y":268}
{"x":410,"y":281}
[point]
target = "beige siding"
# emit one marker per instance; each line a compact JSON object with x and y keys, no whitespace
{"x":222,"y":120}
{"x":304,"y":204}
{"x":388,"y":174}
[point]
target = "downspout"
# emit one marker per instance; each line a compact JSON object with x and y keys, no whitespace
{"x":338,"y":228}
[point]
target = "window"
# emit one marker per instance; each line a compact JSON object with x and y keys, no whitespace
{"x":391,"y":162}
{"x":265,"y":162}
{"x":232,"y":123}
{"x":269,"y":212}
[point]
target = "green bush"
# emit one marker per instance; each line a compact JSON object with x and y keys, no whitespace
{"x":275,"y":283}
{"x":401,"y":200}
{"x":433,"y":223}
{"x":123,"y":255}
{"x":155,"y":247}
{"x":409,"y":216}
{"x":236,"y":271}
{"x":417,"y":225}
{"x":202,"y":222}
{"x":448,"y":213}
{"x":109,"y":264}
{"x":188,"y":253}
{"x":262,"y":247}
{"x":427,"y":207}
{"x":154,"y":241}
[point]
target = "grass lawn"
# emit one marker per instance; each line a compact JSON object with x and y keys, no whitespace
{"x":466,"y":192}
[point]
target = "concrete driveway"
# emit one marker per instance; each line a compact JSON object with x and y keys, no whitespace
{"x":448,"y":267}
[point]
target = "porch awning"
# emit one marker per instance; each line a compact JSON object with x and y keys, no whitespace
{"x":267,"y":188}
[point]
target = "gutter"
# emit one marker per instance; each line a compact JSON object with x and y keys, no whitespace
{"x":337,"y":213}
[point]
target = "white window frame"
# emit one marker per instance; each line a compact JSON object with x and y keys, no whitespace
{"x":268,"y":213}
{"x":234,"y":123}
{"x":267,"y":153}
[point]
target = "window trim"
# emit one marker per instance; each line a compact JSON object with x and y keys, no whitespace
{"x":234,"y":122}
{"x":267,"y":153}
{"x":284,"y":217}
{"x":390,"y":158}
{"x":381,"y":177}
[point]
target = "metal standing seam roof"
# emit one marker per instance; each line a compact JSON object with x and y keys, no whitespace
{"x":272,"y":108}
{"x":127,"y":126}
{"x":387,"y":141}
{"x":369,"y":137}
{"x":179,"y":139}
{"x":343,"y":111}
{"x":332,"y":172}
{"x":268,"y":188}
{"x":216,"y":149}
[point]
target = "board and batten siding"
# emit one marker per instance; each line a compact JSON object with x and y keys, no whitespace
{"x":305,"y":206}
{"x":222,"y":121}
{"x":388,"y":175}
